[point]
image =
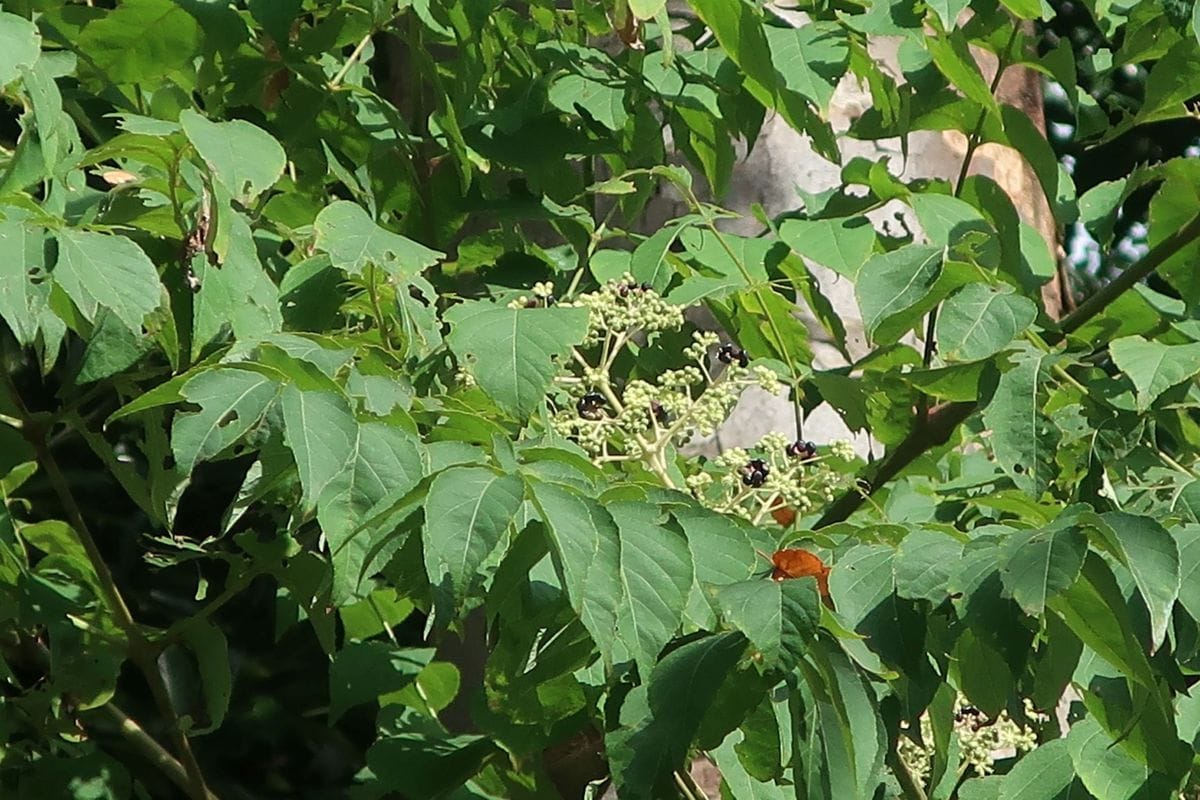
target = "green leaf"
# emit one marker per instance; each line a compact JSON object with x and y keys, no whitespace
{"x":646,"y":9}
{"x":467,"y":514}
{"x":1023,"y":438}
{"x":237,"y":292}
{"x":984,"y":675}
{"x":20,"y":44}
{"x":954,"y":60}
{"x":659,"y":719}
{"x":924,"y":562}
{"x":721,"y":554}
{"x":20,"y":253}
{"x":353,"y":241}
{"x":979,"y":321}
{"x":603,"y":102}
{"x":362,"y":671}
{"x":740,"y":33}
{"x":1095,"y":610}
{"x":948,"y":11}
{"x":780,"y":618}
{"x":810,"y":59}
{"x":1106,"y":769}
{"x":211,"y":650}
{"x":649,"y":263}
{"x":1188,"y":540}
{"x":656,"y":575}
{"x":107,"y":271}
{"x":1152,"y":556}
{"x":1154,"y":367}
{"x":140,"y":41}
{"x":232,"y":402}
{"x":385,"y":464}
{"x":842,"y":245}
{"x":428,"y":764}
{"x":1027,"y":9}
{"x":512,"y":352}
{"x":321,"y":432}
{"x":1041,"y":774}
{"x":1040,"y":564}
{"x":244,"y":158}
{"x":893,"y":290}
{"x":586,"y":555}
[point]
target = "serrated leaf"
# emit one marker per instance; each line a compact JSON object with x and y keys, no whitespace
{"x":20,"y":253}
{"x":1106,"y":769}
{"x":1022,"y":437}
{"x":321,"y":432}
{"x":1039,"y":564}
{"x":385,"y":463}
{"x":979,"y":321}
{"x":243,"y":157}
{"x":586,"y":553}
{"x":924,"y":563}
{"x":1095,"y":610}
{"x":237,"y":292}
{"x":656,"y":574}
{"x":1152,"y":556}
{"x":842,"y":245}
{"x":954,"y":60}
{"x":1041,"y":773}
{"x":20,"y":45}
{"x":232,"y":403}
{"x":740,"y":33}
{"x":721,"y":554}
{"x":810,"y":58}
{"x":1154,"y":367}
{"x":605,"y":103}
{"x":512,"y":352}
{"x":467,"y":513}
{"x":139,"y":41}
{"x":363,"y":671}
{"x":780,"y":618}
{"x":893,"y":289}
{"x":97,"y":271}
{"x":353,"y":240}
{"x":659,"y":719}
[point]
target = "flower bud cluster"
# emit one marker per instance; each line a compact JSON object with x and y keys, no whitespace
{"x":981,"y":741}
{"x":625,"y":306}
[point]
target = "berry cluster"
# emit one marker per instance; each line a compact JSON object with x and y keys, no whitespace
{"x":778,"y":475}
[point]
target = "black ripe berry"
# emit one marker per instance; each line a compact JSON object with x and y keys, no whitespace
{"x":803,"y":450}
{"x":591,"y":406}
{"x":728,"y":353}
{"x":645,"y":287}
{"x":755,"y":472}
{"x":659,"y":413}
{"x":550,"y":300}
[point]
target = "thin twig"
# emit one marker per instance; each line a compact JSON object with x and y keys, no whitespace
{"x":351,"y":61}
{"x":149,"y":748}
{"x":139,"y":649}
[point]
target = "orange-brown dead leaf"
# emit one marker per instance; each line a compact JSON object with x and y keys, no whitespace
{"x":784,"y":515}
{"x":796,"y":563}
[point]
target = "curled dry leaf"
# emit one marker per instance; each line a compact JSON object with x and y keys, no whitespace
{"x":797,"y":563}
